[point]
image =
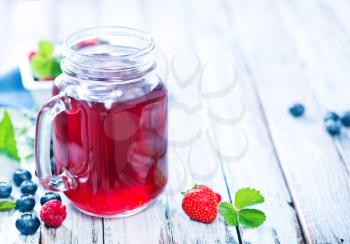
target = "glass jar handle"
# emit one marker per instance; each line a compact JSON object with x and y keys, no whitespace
{"x":64,"y":181}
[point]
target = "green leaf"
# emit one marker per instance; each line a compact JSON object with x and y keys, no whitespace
{"x":55,"y":68}
{"x":41,"y":66}
{"x":7,"y":206}
{"x":247,"y":197}
{"x":251,"y":218}
{"x":7,"y":137}
{"x":229,"y":213}
{"x":46,"y":48}
{"x":44,"y":64}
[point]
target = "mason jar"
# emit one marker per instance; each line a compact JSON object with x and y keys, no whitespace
{"x":108,"y":123}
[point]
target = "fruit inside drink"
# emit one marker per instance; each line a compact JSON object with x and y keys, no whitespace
{"x":116,"y":151}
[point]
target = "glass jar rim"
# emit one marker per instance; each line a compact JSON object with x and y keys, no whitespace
{"x":99,"y":31}
{"x":108,"y":53}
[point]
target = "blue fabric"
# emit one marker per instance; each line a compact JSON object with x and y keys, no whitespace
{"x":12,"y":92}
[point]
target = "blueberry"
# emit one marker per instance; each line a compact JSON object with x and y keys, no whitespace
{"x":25,"y":203}
{"x":5,"y":190}
{"x":297,"y":110}
{"x":49,"y":196}
{"x":27,"y":224}
{"x":345,"y":119}
{"x":331,"y":116}
{"x":21,"y":175}
{"x":333,"y":127}
{"x":28,"y":187}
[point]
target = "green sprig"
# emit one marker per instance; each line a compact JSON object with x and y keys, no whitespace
{"x":44,"y":64}
{"x":7,"y":137}
{"x":7,"y":206}
{"x":239,"y":214}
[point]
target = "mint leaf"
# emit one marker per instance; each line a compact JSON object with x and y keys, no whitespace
{"x":251,"y":218}
{"x":44,"y":64}
{"x":41,"y":66}
{"x":46,"y":48}
{"x":229,"y":213}
{"x":7,"y":137}
{"x":247,"y":197}
{"x":55,"y":68}
{"x":7,"y":206}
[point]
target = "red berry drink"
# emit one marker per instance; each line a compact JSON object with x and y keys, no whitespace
{"x":116,"y":152}
{"x":108,"y":122}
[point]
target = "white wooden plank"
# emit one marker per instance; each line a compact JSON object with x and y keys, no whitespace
{"x":338,"y":11}
{"x":323,"y":36}
{"x":201,"y":166}
{"x":307,"y":155}
{"x":259,"y":167}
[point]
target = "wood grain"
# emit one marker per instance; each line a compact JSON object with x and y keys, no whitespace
{"x":332,"y":67}
{"x":284,"y":51}
{"x":307,"y":154}
{"x":258,"y":168}
{"x":196,"y":170}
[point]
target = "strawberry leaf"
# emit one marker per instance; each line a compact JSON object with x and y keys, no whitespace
{"x":238,"y":214}
{"x":7,"y":206}
{"x":251,"y":218}
{"x":247,"y":197}
{"x":229,"y":213}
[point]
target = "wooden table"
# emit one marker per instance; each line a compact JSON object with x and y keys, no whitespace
{"x":283,"y":51}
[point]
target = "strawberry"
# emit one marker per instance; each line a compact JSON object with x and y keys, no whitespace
{"x":218,"y":197}
{"x":48,"y":78}
{"x":31,"y":55}
{"x":200,"y":203}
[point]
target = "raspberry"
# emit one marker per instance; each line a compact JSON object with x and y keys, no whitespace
{"x":53,"y":213}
